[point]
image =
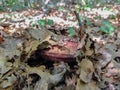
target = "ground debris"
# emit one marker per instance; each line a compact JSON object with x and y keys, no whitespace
{"x":40,"y":51}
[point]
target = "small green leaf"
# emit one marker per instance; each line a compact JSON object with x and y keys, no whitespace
{"x":41,"y":22}
{"x":11,"y":15}
{"x":86,"y":7}
{"x":60,"y":8}
{"x":50,"y":22}
{"x":112,"y":16}
{"x":98,"y":17}
{"x":71,"y":31}
{"x":106,"y":27}
{"x":107,"y":8}
{"x":89,"y":23}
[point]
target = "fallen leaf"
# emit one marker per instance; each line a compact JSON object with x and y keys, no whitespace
{"x":1,"y":39}
{"x":10,"y":80}
{"x":106,"y":27}
{"x":89,"y":86}
{"x":104,"y":57}
{"x":87,"y":70}
{"x":41,"y":22}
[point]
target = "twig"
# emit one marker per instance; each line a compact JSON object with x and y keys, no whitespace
{"x":78,"y":18}
{"x":81,"y":32}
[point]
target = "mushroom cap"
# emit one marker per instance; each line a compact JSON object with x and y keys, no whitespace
{"x":64,"y":52}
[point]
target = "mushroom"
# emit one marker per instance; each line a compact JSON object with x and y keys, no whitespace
{"x":61,"y":52}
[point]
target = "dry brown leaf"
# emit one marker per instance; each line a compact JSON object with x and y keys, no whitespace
{"x":8,"y":82}
{"x":104,"y":57}
{"x":1,"y":39}
{"x":87,"y":70}
{"x":88,"y":51}
{"x":83,"y":86}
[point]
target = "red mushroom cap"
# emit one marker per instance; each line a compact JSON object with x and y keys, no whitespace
{"x":65,"y":52}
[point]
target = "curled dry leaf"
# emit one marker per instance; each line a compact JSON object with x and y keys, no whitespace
{"x":39,"y":34}
{"x":55,"y":78}
{"x":89,"y":51}
{"x":71,"y":81}
{"x":10,"y":47}
{"x":41,"y":85}
{"x":86,"y":86}
{"x":46,"y":77}
{"x":1,"y":39}
{"x":112,"y":71}
{"x":114,"y":48}
{"x":3,"y":61}
{"x":87,"y":70}
{"x":8,"y":82}
{"x":104,"y":57}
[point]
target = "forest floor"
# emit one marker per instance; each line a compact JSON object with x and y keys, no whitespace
{"x":57,"y":51}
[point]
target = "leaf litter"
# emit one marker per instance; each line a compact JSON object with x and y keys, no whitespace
{"x":46,"y":52}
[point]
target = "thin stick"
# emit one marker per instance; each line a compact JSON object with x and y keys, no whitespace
{"x":81,"y":33}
